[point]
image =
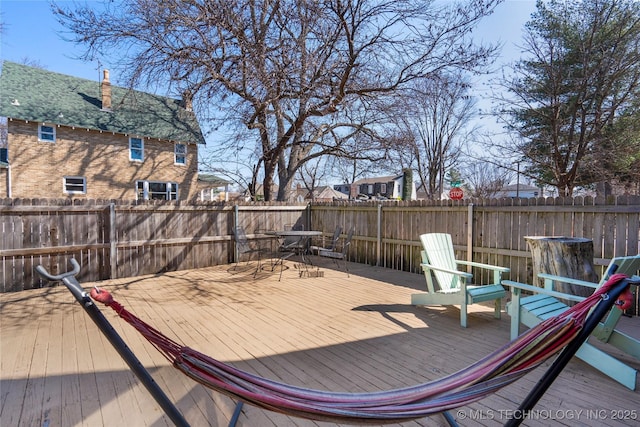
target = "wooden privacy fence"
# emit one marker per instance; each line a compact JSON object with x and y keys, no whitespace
{"x":114,"y":239}
{"x":491,"y":231}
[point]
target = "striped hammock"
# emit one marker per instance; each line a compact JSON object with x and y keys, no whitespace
{"x":498,"y":369}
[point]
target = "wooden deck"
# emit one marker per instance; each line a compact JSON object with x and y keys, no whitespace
{"x":339,"y":333}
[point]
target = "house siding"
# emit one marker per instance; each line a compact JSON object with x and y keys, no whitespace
{"x":372,"y":189}
{"x":38,"y":168}
{"x":4,"y":182}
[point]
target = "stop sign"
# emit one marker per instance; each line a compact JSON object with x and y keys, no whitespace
{"x":456,"y":193}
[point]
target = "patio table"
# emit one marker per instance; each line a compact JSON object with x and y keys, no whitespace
{"x":298,"y":245}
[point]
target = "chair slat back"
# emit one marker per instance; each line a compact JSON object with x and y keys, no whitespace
{"x":438,"y":248}
{"x":333,"y":244}
{"x":628,"y":265}
{"x":347,"y":242}
{"x":291,"y":242}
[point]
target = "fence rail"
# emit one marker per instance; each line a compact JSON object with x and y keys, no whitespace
{"x":114,"y":239}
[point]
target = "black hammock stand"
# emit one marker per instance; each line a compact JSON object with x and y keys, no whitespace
{"x":562,"y":334}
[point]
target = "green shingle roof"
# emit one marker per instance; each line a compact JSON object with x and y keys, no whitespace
{"x":212,"y":179}
{"x":34,"y":94}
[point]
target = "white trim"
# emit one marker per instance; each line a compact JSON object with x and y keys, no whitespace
{"x":142,"y":188}
{"x":183,"y":155}
{"x":141,"y":149}
{"x":84,"y":185}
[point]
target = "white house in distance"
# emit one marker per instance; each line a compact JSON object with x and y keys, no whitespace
{"x":522,"y":191}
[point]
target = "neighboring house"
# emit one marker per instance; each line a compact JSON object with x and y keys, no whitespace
{"x":71,"y":137}
{"x":518,"y":190}
{"x":344,"y":189}
{"x":246,"y":195}
{"x":299,"y":194}
{"x":421,"y":192}
{"x":389,"y":187}
{"x":326,"y":194}
{"x":211,"y":187}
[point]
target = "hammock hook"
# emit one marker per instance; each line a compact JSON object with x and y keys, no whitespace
{"x":83,"y":298}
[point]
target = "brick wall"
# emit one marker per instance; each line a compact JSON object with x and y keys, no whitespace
{"x":38,"y":168}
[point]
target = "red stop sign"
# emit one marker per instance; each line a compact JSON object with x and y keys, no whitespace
{"x":456,"y":193}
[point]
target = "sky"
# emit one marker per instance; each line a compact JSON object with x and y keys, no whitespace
{"x":31,"y":32}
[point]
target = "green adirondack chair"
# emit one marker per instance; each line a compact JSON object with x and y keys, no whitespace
{"x":546,"y":302}
{"x":447,"y":285}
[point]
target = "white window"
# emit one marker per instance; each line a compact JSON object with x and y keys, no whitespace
{"x":75,"y":185}
{"x":180,"y":151}
{"x":46,"y":133}
{"x":154,"y":190}
{"x":136,"y":149}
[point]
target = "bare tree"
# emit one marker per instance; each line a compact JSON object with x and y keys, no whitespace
{"x":359,"y":158}
{"x":433,"y":117}
{"x":311,"y":173}
{"x":484,"y":179}
{"x":295,"y":73}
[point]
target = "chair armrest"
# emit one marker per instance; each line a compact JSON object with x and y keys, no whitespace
{"x":550,"y":279}
{"x":497,"y":270}
{"x":464,"y":274}
{"x":516,"y":291}
{"x":538,"y":290}
{"x":486,"y":266}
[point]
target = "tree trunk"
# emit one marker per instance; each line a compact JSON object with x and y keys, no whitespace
{"x":563,"y":256}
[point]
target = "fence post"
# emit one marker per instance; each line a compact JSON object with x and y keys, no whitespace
{"x":55,"y":241}
{"x":236,"y":222}
{"x":113,"y":243}
{"x":469,"y":234}
{"x":379,"y":236}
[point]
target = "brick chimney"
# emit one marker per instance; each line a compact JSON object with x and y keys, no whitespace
{"x":187,"y":100}
{"x":106,"y":91}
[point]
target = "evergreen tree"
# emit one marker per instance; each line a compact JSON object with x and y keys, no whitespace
{"x":575,"y":93}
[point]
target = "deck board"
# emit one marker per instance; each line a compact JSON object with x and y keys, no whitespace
{"x":356,"y":333}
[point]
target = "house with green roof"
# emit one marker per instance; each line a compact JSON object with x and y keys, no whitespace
{"x":72,"y":137}
{"x":212,"y":188}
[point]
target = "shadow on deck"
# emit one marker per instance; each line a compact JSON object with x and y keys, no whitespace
{"x":332,"y":333}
